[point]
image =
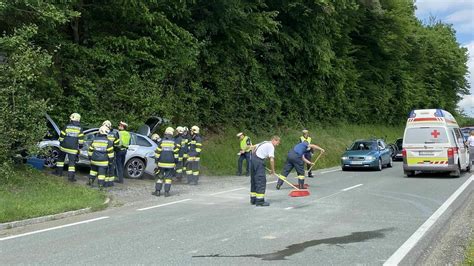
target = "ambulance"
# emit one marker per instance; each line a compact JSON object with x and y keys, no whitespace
{"x":433,"y":142}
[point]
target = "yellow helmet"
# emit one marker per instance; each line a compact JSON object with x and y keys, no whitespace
{"x":155,"y":136}
{"x":107,"y":123}
{"x":104,"y":130}
{"x":75,"y":117}
{"x":180,"y":129}
{"x":169,"y":131}
{"x":195,"y":129}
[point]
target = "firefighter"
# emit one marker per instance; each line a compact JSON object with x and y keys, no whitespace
{"x":194,"y":153}
{"x":101,"y":154}
{"x":244,"y":153}
{"x":124,"y":142}
{"x":166,"y":155}
{"x":296,"y":159}
{"x":258,"y":179}
{"x":71,"y":140}
{"x":181,"y":141}
{"x":308,"y":155}
{"x":185,"y":147}
{"x":113,"y":136}
{"x":156,"y":138}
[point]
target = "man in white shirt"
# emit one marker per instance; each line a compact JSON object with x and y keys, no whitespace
{"x":470,"y":143}
{"x":258,"y":179}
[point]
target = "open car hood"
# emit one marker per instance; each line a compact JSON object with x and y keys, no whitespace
{"x":151,"y":125}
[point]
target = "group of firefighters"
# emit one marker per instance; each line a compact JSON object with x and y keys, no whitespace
{"x":255,"y":155}
{"x":175,"y":155}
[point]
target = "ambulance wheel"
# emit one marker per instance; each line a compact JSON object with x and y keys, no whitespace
{"x":410,"y":173}
{"x":457,"y":172}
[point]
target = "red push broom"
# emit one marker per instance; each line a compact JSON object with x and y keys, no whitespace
{"x":294,"y":193}
{"x":297,"y":192}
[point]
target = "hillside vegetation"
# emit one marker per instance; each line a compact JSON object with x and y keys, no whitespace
{"x":220,"y":63}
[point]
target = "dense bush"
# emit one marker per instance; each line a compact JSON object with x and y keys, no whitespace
{"x":219,"y":63}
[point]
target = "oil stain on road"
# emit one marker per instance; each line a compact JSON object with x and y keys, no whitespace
{"x":297,"y":248}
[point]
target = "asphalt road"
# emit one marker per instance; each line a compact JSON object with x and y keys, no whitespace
{"x":356,"y":217}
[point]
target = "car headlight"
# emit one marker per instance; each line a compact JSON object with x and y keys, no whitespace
{"x":370,"y":158}
{"x":344,"y":158}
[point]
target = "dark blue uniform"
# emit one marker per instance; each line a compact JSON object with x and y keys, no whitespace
{"x":294,"y":160}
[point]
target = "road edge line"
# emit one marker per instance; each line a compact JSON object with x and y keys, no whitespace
{"x":53,"y":228}
{"x":401,"y":253}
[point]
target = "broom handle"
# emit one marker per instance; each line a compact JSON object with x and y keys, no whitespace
{"x":284,"y":180}
{"x":315,"y":161}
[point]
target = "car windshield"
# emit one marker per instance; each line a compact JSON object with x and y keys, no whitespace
{"x":363,"y":145}
{"x":426,"y":135}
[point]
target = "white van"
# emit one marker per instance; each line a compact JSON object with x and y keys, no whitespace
{"x":433,"y":142}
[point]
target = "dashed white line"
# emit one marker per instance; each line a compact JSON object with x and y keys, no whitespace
{"x":162,"y":205}
{"x":222,"y":192}
{"x":349,"y":188}
{"x":401,"y":252}
{"x":53,"y":228}
{"x":271,"y":182}
{"x":330,"y":171}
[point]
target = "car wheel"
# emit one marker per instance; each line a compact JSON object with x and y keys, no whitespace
{"x":379,"y":166}
{"x":457,"y":172}
{"x":135,"y":168}
{"x":390,"y":163}
{"x":345,"y":168}
{"x":410,"y":173}
{"x":51,"y":158}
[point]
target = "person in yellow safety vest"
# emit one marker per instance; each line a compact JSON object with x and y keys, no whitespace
{"x":71,"y":140}
{"x":101,"y":154}
{"x":124,"y":137}
{"x":181,"y":141}
{"x":166,"y":155}
{"x":244,"y":153}
{"x":309,"y":154}
{"x":195,"y":146}
{"x":113,"y":136}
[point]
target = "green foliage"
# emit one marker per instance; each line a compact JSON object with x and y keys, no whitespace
{"x":27,"y":193}
{"x":22,"y":72}
{"x":219,"y":63}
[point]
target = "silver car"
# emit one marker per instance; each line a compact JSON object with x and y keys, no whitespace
{"x":140,"y":158}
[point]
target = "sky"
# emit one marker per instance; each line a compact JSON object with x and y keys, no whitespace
{"x":459,"y":13}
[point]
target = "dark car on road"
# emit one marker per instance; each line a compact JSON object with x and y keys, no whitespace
{"x":368,"y":154}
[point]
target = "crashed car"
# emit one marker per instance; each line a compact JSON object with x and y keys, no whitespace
{"x":140,"y":154}
{"x":371,"y":154}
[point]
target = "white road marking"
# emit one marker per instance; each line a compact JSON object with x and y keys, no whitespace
{"x":330,"y":171}
{"x":349,"y":188}
{"x":162,"y":205}
{"x":53,"y":228}
{"x":402,"y":251}
{"x":271,"y":182}
{"x":289,"y":208}
{"x":222,"y":192}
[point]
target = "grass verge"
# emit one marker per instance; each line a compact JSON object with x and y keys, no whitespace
{"x":219,"y":156}
{"x":469,"y":258}
{"x":27,"y":193}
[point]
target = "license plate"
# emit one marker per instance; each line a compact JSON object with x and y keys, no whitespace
{"x":424,"y":153}
{"x":357,"y":162}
